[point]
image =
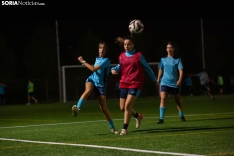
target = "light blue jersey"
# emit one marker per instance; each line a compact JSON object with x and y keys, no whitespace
{"x":2,"y":90}
{"x":99,"y":77}
{"x":145,"y":65}
{"x":170,"y":67}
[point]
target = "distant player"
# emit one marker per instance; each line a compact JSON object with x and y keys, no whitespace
{"x":170,"y":77}
{"x":132,"y":66}
{"x":31,"y":92}
{"x":97,"y":82}
{"x":189,"y":84}
{"x":2,"y":93}
{"x":220,"y":84}
{"x":204,"y":81}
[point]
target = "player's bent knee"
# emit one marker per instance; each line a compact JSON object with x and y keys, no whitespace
{"x":122,"y":109}
{"x":88,"y":92}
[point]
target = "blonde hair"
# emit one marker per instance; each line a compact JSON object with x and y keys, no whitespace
{"x":119,"y":40}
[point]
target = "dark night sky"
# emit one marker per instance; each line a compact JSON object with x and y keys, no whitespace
{"x":95,"y":15}
{"x":105,"y":11}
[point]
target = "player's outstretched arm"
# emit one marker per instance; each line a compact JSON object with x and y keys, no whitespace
{"x":148,"y":69}
{"x":90,"y":67}
{"x":115,"y":70}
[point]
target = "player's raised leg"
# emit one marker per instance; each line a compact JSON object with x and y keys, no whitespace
{"x":88,"y":90}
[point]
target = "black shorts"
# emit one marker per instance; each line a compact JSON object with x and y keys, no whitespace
{"x":98,"y":90}
{"x":170,"y":90}
{"x":2,"y":96}
{"x":206,"y":87}
{"x":30,"y":93}
{"x":131,"y":91}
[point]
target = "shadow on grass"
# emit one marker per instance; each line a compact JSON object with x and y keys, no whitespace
{"x":222,"y":118}
{"x":183,"y":129}
{"x":180,"y":129}
{"x":175,"y":129}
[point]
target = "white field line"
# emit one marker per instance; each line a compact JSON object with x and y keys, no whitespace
{"x":102,"y":147}
{"x":69,"y":123}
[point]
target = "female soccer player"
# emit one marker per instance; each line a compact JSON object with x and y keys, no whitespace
{"x":97,"y":82}
{"x":132,"y":65}
{"x":171,"y":81}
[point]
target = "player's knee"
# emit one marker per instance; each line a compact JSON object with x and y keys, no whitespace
{"x":122,"y":109}
{"x":88,"y":92}
{"x":163,"y":99}
{"x":177,"y":101}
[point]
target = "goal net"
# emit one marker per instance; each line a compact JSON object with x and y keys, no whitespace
{"x":74,"y":77}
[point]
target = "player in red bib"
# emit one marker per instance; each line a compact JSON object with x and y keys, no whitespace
{"x":132,"y":66}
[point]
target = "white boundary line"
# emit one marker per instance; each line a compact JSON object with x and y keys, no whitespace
{"x":55,"y":124}
{"x":68,"y":123}
{"x":104,"y":147}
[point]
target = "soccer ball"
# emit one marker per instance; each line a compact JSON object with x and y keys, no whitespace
{"x":136,"y":26}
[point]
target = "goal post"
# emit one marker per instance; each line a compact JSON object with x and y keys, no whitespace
{"x":65,"y":67}
{"x":64,"y":78}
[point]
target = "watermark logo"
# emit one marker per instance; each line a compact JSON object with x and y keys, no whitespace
{"x":21,"y":3}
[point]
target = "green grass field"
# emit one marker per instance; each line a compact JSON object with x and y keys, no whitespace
{"x":51,"y":130}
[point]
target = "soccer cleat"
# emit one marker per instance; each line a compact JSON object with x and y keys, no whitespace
{"x":114,"y":131}
{"x":182,"y":119}
{"x":124,"y":132}
{"x":28,"y":104}
{"x":75,"y":111}
{"x":138,"y":120}
{"x":160,"y":121}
